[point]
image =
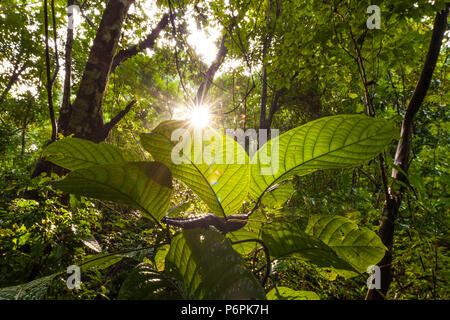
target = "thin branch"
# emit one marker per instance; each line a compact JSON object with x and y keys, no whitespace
{"x":64,"y":112}
{"x":369,"y":105}
{"x":210,"y":73}
{"x":25,"y":124}
{"x":55,"y":74}
{"x":49,"y":78}
{"x":147,"y":43}
{"x":108,"y":126}
{"x":19,"y":5}
{"x":275,"y":106}
{"x":248,"y":91}
{"x":81,"y":6}
{"x":397,"y":100}
{"x":14,"y":77}
{"x":174,"y":34}
{"x":371,"y":179}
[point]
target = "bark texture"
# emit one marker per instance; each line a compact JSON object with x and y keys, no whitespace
{"x":64,"y":111}
{"x":86,"y":118}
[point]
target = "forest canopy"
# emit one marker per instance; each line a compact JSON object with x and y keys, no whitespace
{"x":224,"y":149}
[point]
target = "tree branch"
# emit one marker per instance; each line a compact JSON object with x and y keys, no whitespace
{"x":87,"y":115}
{"x":14,"y":77}
{"x":247,"y":93}
{"x":81,"y":6}
{"x":209,"y":75}
{"x":108,"y":126}
{"x":147,"y":43}
{"x":55,"y":42}
{"x":174,"y":34}
{"x":50,"y":80}
{"x":266,"y":253}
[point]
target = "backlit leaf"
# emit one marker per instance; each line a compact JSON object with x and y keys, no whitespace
{"x":205,"y":262}
{"x":144,"y":185}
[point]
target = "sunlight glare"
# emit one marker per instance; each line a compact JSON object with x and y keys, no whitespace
{"x":203,"y":40}
{"x":200,"y":117}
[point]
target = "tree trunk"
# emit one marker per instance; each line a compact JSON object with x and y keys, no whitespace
{"x":64,"y":111}
{"x":266,"y":46}
{"x":86,"y":116}
{"x":392,"y":204}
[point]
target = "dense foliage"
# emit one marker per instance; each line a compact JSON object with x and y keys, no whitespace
{"x":337,"y":91}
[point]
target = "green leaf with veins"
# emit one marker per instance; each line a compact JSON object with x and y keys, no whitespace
{"x":278,"y":194}
{"x":360,"y":247}
{"x":289,"y":240}
{"x":75,"y":153}
{"x":144,"y":185}
{"x":208,"y":267}
{"x":145,"y":283}
{"x":333,"y":142}
{"x":328,"y":242}
{"x":223,"y":187}
{"x":33,"y":290}
{"x":284,"y":293}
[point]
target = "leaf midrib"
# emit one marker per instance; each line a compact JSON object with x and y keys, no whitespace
{"x":198,"y":170}
{"x":278,"y":179}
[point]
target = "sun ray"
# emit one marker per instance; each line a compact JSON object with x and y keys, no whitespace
{"x":199,"y":117}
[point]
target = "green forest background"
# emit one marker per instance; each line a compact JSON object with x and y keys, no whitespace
{"x":275,"y":64}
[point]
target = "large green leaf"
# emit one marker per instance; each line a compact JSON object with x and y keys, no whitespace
{"x":328,"y":242}
{"x":340,"y":141}
{"x":242,"y":235}
{"x":75,"y":153}
{"x":284,"y":293}
{"x":33,"y":290}
{"x":360,"y":247}
{"x":100,"y":261}
{"x":91,"y":243}
{"x":223,"y":187}
{"x":205,"y":262}
{"x":144,"y":283}
{"x":160,"y":257}
{"x":145,"y":185}
{"x":278,"y":194}
{"x":176,"y":210}
{"x":289,"y":240}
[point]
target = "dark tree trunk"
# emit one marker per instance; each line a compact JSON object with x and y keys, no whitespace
{"x":86,"y":117}
{"x":266,"y":46}
{"x":393,"y":202}
{"x":64,"y":111}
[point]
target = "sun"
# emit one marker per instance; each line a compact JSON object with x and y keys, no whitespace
{"x":199,"y":117}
